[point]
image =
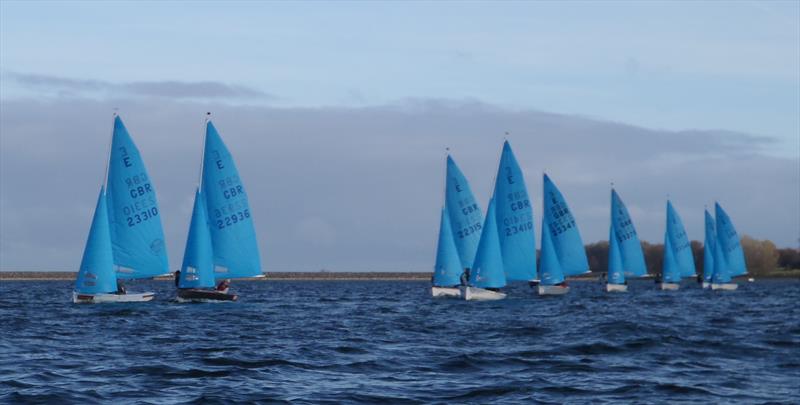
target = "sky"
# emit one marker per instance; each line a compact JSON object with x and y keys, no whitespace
{"x":339,"y":115}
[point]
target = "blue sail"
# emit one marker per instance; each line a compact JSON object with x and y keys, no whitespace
{"x":729,"y":243}
{"x":721,"y":273}
{"x":708,"y":247}
{"x":197,"y":270}
{"x":681,"y":246}
{"x":564,"y":231}
{"x":670,"y":268}
{"x":629,"y":245}
{"x":550,"y":266}
{"x":514,"y":219}
{"x":136,"y":233}
{"x":465,"y":214}
{"x":96,"y":274}
{"x":230,"y":220}
{"x":616,"y":271}
{"x":488,"y":271}
{"x":448,"y":265}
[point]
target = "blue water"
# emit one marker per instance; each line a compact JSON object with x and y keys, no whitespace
{"x":356,"y":342}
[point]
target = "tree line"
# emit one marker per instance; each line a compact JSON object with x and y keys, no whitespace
{"x":761,"y":256}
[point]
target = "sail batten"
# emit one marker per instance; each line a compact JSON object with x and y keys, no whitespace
{"x":135,"y":220}
{"x":514,"y":219}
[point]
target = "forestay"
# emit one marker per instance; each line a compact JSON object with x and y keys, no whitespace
{"x":230,"y":220}
{"x":136,"y":233}
{"x":514,"y":219}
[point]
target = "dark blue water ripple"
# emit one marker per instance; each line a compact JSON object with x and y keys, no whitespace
{"x":389,"y":342}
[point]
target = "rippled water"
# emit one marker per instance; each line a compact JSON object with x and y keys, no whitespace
{"x":389,"y":341}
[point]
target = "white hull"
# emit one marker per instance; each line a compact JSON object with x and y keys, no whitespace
{"x":706,"y":285}
{"x":724,"y":287}
{"x":616,"y":287}
{"x":552,"y":289}
{"x":79,"y":298}
{"x":480,"y":294}
{"x":670,"y":286}
{"x":445,"y":292}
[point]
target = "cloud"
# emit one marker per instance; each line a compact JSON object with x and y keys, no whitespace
{"x":170,"y":89}
{"x":361,"y":188}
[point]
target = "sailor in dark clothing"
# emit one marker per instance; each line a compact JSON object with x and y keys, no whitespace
{"x":465,"y":277}
{"x":177,"y":277}
{"x":121,"y":288}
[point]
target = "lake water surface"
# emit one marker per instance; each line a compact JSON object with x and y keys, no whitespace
{"x":376,"y":341}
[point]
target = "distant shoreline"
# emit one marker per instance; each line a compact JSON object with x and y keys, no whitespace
{"x":314,"y":276}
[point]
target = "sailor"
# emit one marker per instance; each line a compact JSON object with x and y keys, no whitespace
{"x":177,"y":277}
{"x":223,"y":286}
{"x":121,"y":288}
{"x":465,"y":277}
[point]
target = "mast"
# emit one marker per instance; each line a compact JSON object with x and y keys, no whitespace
{"x":110,"y":143}
{"x":203,"y":151}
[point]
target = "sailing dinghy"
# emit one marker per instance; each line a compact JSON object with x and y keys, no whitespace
{"x":126,"y":240}
{"x":729,"y":256}
{"x":514,"y":220}
{"x":488,"y":276}
{"x":233,"y":246}
{"x":447,"y":271}
{"x":564,"y":239}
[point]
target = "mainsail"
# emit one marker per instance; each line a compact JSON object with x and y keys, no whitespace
{"x":729,"y":243}
{"x":566,"y":238}
{"x":136,"y":234}
{"x":550,"y":266}
{"x":96,"y":274}
{"x":230,"y":220}
{"x":488,"y":271}
{"x":197,"y":270}
{"x":708,"y":248}
{"x":670,"y":268}
{"x":448,"y":266}
{"x":681,"y":246}
{"x":466,"y":218}
{"x":629,"y":245}
{"x":514,"y":219}
{"x":616,"y":271}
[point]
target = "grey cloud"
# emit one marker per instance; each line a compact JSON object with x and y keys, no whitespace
{"x":162,"y":89}
{"x":360,"y":188}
